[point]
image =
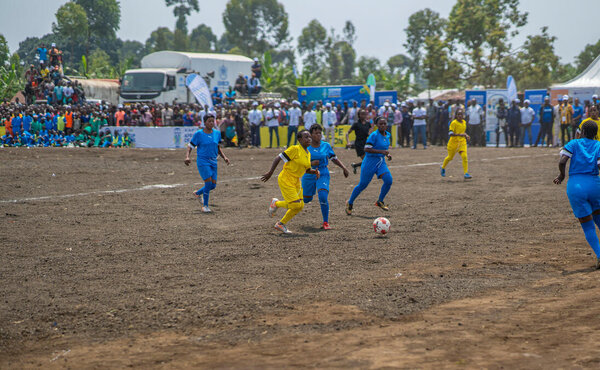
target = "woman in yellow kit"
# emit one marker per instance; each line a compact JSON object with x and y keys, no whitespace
{"x":297,"y":163}
{"x":592,"y":116}
{"x":457,"y":143}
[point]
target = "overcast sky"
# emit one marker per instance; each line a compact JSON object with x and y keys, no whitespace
{"x":379,"y":23}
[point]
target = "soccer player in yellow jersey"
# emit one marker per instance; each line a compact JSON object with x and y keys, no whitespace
{"x":297,"y":163}
{"x":457,"y":144}
{"x":593,"y":116}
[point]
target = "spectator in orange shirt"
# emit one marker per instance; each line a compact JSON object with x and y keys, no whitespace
{"x":120,"y":117}
{"x":68,"y":121}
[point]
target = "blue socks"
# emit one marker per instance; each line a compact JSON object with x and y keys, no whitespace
{"x":324,"y":204}
{"x":205,"y":191}
{"x":387,"y":184}
{"x":362,"y":185}
{"x":589,"y":229}
{"x":596,"y":219}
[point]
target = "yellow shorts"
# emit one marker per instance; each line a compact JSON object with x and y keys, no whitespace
{"x":457,"y":146}
{"x":290,"y":187}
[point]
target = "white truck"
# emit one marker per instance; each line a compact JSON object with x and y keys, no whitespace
{"x":162,"y":76}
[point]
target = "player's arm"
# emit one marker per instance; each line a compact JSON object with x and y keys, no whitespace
{"x":222,"y":155}
{"x":562,"y":165}
{"x":274,"y":165}
{"x":348,"y":135}
{"x":187,"y":154}
{"x":339,"y":163}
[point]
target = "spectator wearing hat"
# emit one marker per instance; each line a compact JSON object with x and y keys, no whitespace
{"x":254,"y":85}
{"x":475,"y":122}
{"x":527,"y":118}
{"x":255,"y":118}
{"x":272,"y":119}
{"x":566,"y":119}
{"x":294,"y":113}
{"x":546,"y":120}
{"x":256,"y":68}
{"x":217,"y":96}
{"x":329,"y":120}
{"x":514,"y":122}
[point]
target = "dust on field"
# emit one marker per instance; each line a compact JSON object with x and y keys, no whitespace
{"x":489,"y":273}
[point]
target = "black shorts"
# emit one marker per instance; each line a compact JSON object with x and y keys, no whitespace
{"x":360,"y":148}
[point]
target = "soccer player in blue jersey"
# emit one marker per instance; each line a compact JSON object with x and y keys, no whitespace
{"x":206,"y":141}
{"x":376,"y":150}
{"x":583,"y":188}
{"x":320,"y":155}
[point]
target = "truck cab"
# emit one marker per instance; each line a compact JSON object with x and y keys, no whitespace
{"x":153,"y":84}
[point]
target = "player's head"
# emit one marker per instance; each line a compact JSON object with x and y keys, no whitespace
{"x":304,"y":138}
{"x":209,"y":120}
{"x":459,"y":115}
{"x":593,"y":111}
{"x":381,"y":123}
{"x":316,"y":132}
{"x":589,"y":129}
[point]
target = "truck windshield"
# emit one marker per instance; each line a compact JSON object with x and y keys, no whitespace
{"x":147,"y":81}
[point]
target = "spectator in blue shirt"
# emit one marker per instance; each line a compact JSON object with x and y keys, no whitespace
{"x":254,"y":85}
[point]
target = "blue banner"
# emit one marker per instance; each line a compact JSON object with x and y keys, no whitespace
{"x":382,"y":96}
{"x":480,"y":95}
{"x":536,"y":99}
{"x":337,"y":94}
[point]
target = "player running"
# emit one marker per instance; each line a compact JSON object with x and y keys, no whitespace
{"x":297,"y":163}
{"x":207,"y":146}
{"x":457,"y":143}
{"x":376,"y":150}
{"x":320,"y":154}
{"x":583,"y":188}
{"x":361,"y":129}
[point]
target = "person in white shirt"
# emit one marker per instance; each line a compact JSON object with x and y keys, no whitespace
{"x":527,"y":117}
{"x":352,"y":114}
{"x":294,"y":113}
{"x":272,"y":119}
{"x":254,"y":119}
{"x":383,"y":108}
{"x":329,"y":121}
{"x":419,"y":125}
{"x":310,"y":116}
{"x":475,"y":123}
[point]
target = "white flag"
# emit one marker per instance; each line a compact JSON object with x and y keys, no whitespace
{"x":199,"y":88}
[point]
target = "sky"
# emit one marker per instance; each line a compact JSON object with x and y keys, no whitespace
{"x":379,"y":24}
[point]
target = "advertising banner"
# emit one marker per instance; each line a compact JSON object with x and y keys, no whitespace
{"x":337,"y":94}
{"x":158,"y":137}
{"x":382,"y":96}
{"x":536,"y":99}
{"x":491,"y":121}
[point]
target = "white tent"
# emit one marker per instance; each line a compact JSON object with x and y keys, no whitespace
{"x":583,"y":86}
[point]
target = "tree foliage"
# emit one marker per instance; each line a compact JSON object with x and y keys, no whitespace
{"x":255,"y":26}
{"x":71,"y":22}
{"x":422,"y":24}
{"x":103,"y":16}
{"x":202,"y":39}
{"x":160,"y":39}
{"x":312,"y":43}
{"x":4,"y":51}
{"x":182,"y":9}
{"x":587,"y":56}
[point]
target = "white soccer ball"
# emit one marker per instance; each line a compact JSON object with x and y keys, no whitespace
{"x":381,"y":225}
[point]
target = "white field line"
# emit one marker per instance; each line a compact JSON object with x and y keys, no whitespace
{"x":171,"y":186}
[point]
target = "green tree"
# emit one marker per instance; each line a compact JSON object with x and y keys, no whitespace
{"x":255,"y":26}
{"x":349,"y":33}
{"x":422,"y":24}
{"x":100,"y":65}
{"x":181,"y":9}
{"x":202,"y":39}
{"x":439,"y":69}
{"x":398,"y":63}
{"x":587,"y":56}
{"x":348,"y":56}
{"x":277,"y":77}
{"x":479,"y":32}
{"x":181,"y":41}
{"x":312,"y":43}
{"x":103,"y":17}
{"x":367,"y":65}
{"x":4,"y":51}
{"x":132,"y":50}
{"x":160,"y":39}
{"x":71,"y":24}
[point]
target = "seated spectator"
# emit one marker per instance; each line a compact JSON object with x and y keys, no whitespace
{"x":230,"y":96}
{"x":241,"y":84}
{"x":254,"y":85}
{"x":257,"y":68}
{"x":217,"y":96}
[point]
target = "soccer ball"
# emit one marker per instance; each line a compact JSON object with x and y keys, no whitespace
{"x":381,"y":225}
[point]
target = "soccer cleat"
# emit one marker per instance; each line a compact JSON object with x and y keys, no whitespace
{"x":381,"y":205}
{"x":326,"y":226}
{"x":442,"y":171}
{"x":353,"y":167}
{"x":273,"y":207}
{"x":281,"y":227}
{"x":348,"y":209}
{"x":205,"y":209}
{"x":467,"y":176}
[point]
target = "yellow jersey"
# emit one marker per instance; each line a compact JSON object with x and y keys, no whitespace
{"x":458,"y":127}
{"x":297,"y":161}
{"x":593,"y":120}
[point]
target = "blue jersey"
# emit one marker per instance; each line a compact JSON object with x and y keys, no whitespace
{"x":323,"y":154}
{"x":378,"y":141}
{"x":577,"y":114}
{"x":585,"y":154}
{"x":207,"y":145}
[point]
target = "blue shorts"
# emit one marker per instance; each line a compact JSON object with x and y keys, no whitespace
{"x":584,"y":194}
{"x":373,"y":166}
{"x":207,"y":170}
{"x":310,"y":184}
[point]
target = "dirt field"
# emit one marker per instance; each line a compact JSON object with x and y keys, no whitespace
{"x":106,"y":261}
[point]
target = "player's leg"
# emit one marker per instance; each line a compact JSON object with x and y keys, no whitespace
{"x":309,"y":186}
{"x":323,"y":193}
{"x":367,"y":170}
{"x":579,"y":188}
{"x":293,"y":197}
{"x":386,"y":176}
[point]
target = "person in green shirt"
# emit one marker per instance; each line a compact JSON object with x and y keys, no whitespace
{"x":95,"y":122}
{"x":97,"y":139}
{"x":60,"y":121}
{"x":36,"y":125}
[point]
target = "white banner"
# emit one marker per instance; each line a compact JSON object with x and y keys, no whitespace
{"x":198,"y":87}
{"x":157,"y":137}
{"x":491,"y":122}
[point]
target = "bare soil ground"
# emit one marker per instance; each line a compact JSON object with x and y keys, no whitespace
{"x":107,"y":261}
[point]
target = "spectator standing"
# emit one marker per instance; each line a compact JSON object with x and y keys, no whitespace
{"x":431,"y":120}
{"x":55,"y":56}
{"x":420,"y":125}
{"x":329,"y":120}
{"x":166,"y":115}
{"x":577,"y":114}
{"x":437,"y":126}
{"x":514,"y":123}
{"x":294,"y":113}
{"x":501,"y":126}
{"x":527,"y":117}
{"x":406,"y":126}
{"x":310,"y":116}
{"x":566,"y":119}
{"x":474,"y":122}
{"x":43,"y":54}
{"x":272,"y":119}
{"x":256,"y":68}
{"x":240,"y":128}
{"x":255,"y":118}
{"x":546,"y":120}
{"x":397,"y":122}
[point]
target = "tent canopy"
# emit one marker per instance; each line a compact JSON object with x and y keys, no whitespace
{"x":589,"y":78}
